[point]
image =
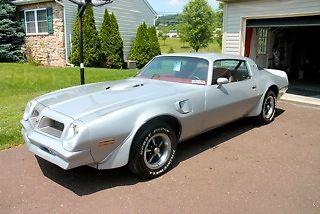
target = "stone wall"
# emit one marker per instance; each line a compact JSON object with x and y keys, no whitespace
{"x":47,"y":49}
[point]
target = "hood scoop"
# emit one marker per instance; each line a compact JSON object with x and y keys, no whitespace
{"x":124,"y":86}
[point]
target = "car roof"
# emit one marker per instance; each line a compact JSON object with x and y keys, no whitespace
{"x":211,"y":56}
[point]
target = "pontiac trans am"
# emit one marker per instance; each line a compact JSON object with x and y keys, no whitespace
{"x":139,"y":121}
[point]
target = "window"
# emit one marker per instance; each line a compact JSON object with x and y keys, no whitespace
{"x":232,"y":69}
{"x":37,"y":21}
{"x":180,"y":69}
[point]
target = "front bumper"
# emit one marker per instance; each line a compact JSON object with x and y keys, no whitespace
{"x":51,"y":149}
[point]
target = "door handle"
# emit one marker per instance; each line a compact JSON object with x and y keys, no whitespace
{"x":254,"y":87}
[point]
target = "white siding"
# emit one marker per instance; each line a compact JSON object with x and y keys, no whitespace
{"x":130,"y":14}
{"x":236,"y":12}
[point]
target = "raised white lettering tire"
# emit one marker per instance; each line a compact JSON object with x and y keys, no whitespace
{"x":153,"y":150}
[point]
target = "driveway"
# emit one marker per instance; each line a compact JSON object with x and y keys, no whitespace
{"x":239,"y":168}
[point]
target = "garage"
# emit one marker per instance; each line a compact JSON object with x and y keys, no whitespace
{"x":276,"y":34}
{"x":290,"y":44}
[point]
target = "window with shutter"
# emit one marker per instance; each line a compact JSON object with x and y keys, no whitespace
{"x":38,"y":21}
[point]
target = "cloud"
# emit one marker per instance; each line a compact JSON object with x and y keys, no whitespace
{"x":175,"y":2}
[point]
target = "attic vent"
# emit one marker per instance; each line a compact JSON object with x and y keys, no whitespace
{"x":138,"y":85}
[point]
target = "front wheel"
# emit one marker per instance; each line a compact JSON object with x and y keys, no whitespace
{"x":153,"y":150}
{"x":268,"y":108}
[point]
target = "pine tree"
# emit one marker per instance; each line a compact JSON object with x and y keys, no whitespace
{"x":11,"y":33}
{"x":91,"y":44}
{"x":104,"y":36}
{"x":154,"y":42}
{"x":116,"y":52}
{"x":74,"y":55}
{"x":111,"y":42}
{"x":140,"y":48}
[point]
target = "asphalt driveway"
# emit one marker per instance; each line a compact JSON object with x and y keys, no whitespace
{"x":239,"y":168}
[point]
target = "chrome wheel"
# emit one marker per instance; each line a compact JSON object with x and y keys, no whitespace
{"x":157,"y":151}
{"x":269,"y":107}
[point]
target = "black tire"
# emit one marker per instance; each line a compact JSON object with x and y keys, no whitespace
{"x":268,"y":108}
{"x":153,"y":150}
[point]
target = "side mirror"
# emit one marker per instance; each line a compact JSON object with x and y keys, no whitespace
{"x":222,"y":80}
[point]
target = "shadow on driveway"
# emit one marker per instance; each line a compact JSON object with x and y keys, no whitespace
{"x":86,"y":180}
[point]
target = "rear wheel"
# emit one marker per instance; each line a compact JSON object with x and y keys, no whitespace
{"x":153,"y":150}
{"x":268,"y":108}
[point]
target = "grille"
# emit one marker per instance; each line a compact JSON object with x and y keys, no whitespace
{"x":51,"y":127}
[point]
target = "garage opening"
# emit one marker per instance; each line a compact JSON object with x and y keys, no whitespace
{"x":289,"y":44}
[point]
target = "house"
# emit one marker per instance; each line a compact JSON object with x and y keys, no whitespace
{"x":276,"y":34}
{"x":49,"y":23}
{"x":172,"y":34}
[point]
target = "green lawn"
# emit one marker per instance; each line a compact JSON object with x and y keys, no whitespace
{"x":180,"y":47}
{"x":21,"y":82}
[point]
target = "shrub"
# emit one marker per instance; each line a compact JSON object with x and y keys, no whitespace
{"x":145,"y":46}
{"x":171,"y":50}
{"x":154,"y":42}
{"x":91,"y":44}
{"x":140,"y":47}
{"x":111,"y":42}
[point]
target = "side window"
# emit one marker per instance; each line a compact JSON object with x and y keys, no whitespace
{"x":232,"y":69}
{"x":37,"y":21}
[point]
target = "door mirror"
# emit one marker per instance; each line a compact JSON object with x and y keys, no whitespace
{"x":222,"y":80}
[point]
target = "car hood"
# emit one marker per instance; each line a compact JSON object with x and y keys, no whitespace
{"x":106,"y":97}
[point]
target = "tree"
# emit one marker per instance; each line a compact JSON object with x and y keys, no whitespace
{"x":111,"y":42}
{"x":91,"y":44}
{"x":154,"y":42}
{"x":182,"y":31}
{"x":198,"y":18}
{"x":163,"y":35}
{"x":141,"y":46}
{"x":74,"y":55}
{"x":11,"y":33}
{"x":218,"y":21}
{"x":104,"y":36}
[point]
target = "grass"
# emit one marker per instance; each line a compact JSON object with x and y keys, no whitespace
{"x":179,"y":47}
{"x":19,"y":83}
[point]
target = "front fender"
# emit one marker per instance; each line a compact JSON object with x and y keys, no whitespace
{"x":120,"y":156}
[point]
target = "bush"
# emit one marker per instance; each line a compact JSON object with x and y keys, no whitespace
{"x":141,"y":46}
{"x":145,"y":46}
{"x":111,"y":42}
{"x":91,"y":44}
{"x":154,"y":42}
{"x":171,"y":50}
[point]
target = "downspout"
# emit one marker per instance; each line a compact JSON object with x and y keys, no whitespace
{"x":154,"y":22}
{"x":65,"y":33}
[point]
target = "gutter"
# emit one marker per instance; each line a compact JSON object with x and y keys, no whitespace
{"x":65,"y":33}
{"x":25,"y":2}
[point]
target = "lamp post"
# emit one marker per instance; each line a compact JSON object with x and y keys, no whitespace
{"x":81,"y":8}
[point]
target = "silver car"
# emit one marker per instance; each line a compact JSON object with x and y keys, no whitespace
{"x":139,"y":121}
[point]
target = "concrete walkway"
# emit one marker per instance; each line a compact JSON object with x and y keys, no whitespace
{"x":311,"y":101}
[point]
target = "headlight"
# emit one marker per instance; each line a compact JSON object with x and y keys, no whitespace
{"x":72,"y":131}
{"x":28,"y":110}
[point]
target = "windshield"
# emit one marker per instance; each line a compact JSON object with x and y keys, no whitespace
{"x":191,"y":70}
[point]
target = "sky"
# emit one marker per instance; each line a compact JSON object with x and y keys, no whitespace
{"x":163,"y":7}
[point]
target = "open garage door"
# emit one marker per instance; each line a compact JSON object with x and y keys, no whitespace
{"x":285,"y":22}
{"x":289,"y":44}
